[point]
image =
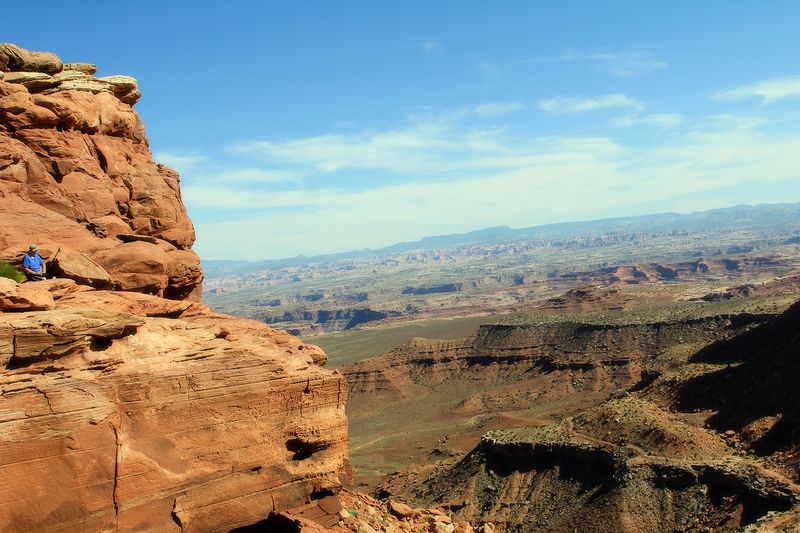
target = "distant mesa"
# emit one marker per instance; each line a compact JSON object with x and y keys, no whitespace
{"x":433,"y":289}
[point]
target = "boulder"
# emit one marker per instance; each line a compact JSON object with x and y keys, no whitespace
{"x":86,"y":68}
{"x":79,"y":267}
{"x":133,"y":303}
{"x":400,"y":510}
{"x":38,"y":336}
{"x":125,"y":88}
{"x":71,"y":75}
{"x":121,"y":84}
{"x":137,"y":265}
{"x":13,"y":58}
{"x":24,"y":296}
{"x":185,"y":277}
{"x":33,"y":81}
{"x":142,"y":257}
{"x":57,"y":287}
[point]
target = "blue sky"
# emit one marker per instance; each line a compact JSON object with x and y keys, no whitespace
{"x":313,"y":127}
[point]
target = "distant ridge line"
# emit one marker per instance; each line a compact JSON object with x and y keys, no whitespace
{"x":741,"y":216}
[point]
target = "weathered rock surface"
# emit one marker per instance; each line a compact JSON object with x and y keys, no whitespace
{"x":134,"y":411}
{"x":623,"y":466}
{"x":13,"y":57}
{"x":76,"y":171}
{"x":23,"y":297}
{"x":355,"y":512}
{"x":115,"y":421}
{"x":709,"y":444}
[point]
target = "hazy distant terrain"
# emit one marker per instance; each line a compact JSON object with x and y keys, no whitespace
{"x":500,"y":269}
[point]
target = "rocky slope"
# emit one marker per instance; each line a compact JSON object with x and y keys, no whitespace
{"x":76,"y":175}
{"x":427,"y":402}
{"x":119,"y":409}
{"x":710,"y":444}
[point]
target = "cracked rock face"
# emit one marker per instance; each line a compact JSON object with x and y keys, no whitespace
{"x":76,"y":172}
{"x":124,"y":403}
{"x":114,"y":418}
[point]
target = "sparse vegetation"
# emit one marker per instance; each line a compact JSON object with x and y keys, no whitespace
{"x":680,"y":311}
{"x":7,"y":270}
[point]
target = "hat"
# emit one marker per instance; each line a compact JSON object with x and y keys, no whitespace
{"x":33,"y":247}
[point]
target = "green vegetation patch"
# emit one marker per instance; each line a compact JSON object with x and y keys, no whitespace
{"x":7,"y":270}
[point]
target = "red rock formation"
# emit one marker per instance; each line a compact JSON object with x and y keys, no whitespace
{"x":76,"y":173}
{"x":124,"y":410}
{"x":113,"y":420}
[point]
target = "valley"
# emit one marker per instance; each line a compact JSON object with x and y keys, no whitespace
{"x":533,"y":384}
{"x":633,"y":417}
{"x":470,"y":275}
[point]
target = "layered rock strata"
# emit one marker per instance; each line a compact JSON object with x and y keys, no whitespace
{"x":606,"y":351}
{"x":624,"y":466}
{"x":77,"y":175}
{"x":124,"y":403}
{"x":709,"y":444}
{"x":116,"y":420}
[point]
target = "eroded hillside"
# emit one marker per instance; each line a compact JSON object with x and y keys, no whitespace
{"x":675,"y":417}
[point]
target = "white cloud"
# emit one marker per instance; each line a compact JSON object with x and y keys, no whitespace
{"x":427,"y":146}
{"x":178,"y":161}
{"x":490,"y":69}
{"x":248,"y":175}
{"x":663,"y":120}
{"x":623,"y":63}
{"x":450,"y":177}
{"x":769,"y":90}
{"x":498,"y":108}
{"x":430,"y":47}
{"x":579,"y":104}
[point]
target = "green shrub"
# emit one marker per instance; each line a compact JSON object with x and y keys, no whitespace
{"x":8,"y":271}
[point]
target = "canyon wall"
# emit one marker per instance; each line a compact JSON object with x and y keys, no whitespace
{"x":596,"y":353}
{"x":124,"y":403}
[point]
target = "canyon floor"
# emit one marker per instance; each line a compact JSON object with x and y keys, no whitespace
{"x":602,"y":372}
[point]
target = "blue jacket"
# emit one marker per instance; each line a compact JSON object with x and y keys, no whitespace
{"x":33,"y":263}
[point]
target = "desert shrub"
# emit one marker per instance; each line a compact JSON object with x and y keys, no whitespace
{"x":8,"y":271}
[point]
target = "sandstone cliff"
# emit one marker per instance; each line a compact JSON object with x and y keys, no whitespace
{"x":76,"y":174}
{"x":121,"y":410}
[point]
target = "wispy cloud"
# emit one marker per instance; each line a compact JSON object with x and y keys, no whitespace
{"x":405,"y":150}
{"x":768,"y":90}
{"x":247,"y":176}
{"x":664,"y":120}
{"x":179,"y":161}
{"x":498,"y":108}
{"x":579,"y":104}
{"x":522,"y":183}
{"x":489,"y":68}
{"x":442,"y":171}
{"x":430,"y":47}
{"x":623,"y":63}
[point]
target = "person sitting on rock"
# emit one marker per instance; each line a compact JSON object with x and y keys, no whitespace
{"x":33,"y":265}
